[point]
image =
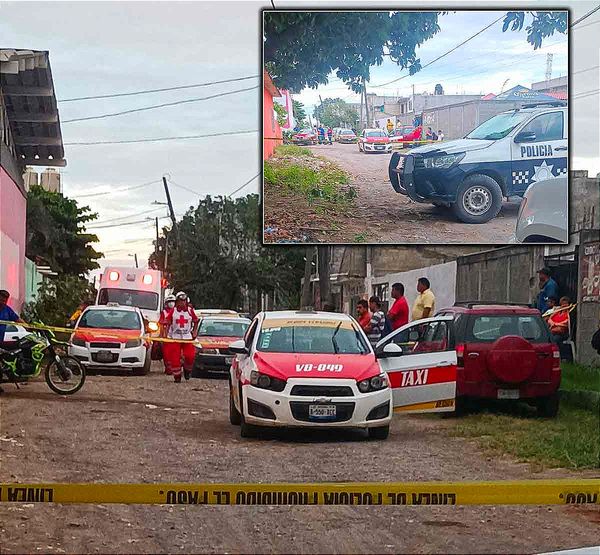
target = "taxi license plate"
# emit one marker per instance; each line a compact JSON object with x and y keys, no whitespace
{"x":508,"y":394}
{"x":324,"y":412}
{"x":105,"y":356}
{"x":228,"y":360}
{"x":379,"y":147}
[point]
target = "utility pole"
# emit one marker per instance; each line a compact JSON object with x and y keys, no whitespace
{"x":136,"y":261}
{"x":156,"y":247}
{"x":168,"y":194}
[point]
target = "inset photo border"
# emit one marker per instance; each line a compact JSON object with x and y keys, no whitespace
{"x":415,"y":127}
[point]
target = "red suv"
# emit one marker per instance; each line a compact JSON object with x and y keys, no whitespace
{"x":505,"y":352}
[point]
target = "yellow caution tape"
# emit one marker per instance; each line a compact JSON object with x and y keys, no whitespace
{"x":527,"y":492}
{"x":103,"y":333}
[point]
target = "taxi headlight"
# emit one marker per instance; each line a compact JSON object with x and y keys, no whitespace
{"x":133,"y":343}
{"x":443,"y":162}
{"x":152,"y":326}
{"x":376,"y":383}
{"x":258,"y":379}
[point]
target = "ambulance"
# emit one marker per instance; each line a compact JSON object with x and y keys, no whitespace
{"x":139,"y":287}
{"x":500,"y":158}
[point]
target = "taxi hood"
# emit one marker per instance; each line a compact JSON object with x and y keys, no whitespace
{"x":453,"y":147}
{"x":109,"y":336}
{"x":314,"y":365}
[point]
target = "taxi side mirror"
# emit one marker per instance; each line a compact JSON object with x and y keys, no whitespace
{"x":239,"y":347}
{"x":389,"y":350}
{"x":525,"y":137}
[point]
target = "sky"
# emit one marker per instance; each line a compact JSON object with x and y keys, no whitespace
{"x":99,"y":48}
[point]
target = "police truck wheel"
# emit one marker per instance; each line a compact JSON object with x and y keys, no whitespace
{"x":379,"y":433}
{"x":478,"y":200}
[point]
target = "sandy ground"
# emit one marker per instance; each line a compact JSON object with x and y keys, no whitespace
{"x":106,"y":433}
{"x":380,"y":215}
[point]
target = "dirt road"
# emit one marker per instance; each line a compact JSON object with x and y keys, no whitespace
{"x":148,"y":429}
{"x":393,"y":218}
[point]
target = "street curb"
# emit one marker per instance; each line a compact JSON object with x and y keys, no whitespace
{"x":589,"y":400}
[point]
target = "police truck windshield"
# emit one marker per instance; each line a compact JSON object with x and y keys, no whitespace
{"x":127,"y":297}
{"x":498,"y":127}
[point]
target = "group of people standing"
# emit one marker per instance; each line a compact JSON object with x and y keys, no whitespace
{"x":555,"y":310}
{"x":376,"y":324}
{"x":325,"y":135}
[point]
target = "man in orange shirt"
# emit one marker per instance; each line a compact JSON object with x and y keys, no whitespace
{"x":558,"y":322}
{"x":364,"y":316}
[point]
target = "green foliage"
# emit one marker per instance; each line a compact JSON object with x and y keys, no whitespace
{"x":56,"y":232}
{"x":281,"y":113}
{"x":578,"y":377}
{"x":293,"y":150}
{"x":302,"y":48}
{"x":334,"y":112}
{"x":57,"y":299}
{"x":299,"y":112}
{"x":543,"y":25}
{"x":216,"y":257}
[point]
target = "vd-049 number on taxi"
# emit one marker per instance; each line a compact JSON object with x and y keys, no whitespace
{"x":318,"y":370}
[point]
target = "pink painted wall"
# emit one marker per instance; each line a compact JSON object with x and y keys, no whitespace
{"x":12,"y":239}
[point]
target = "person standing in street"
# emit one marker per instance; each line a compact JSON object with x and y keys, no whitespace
{"x":7,"y":314}
{"x":158,"y":346}
{"x":377,"y":324}
{"x":364,"y":316}
{"x":548,"y":288}
{"x":398,"y":314}
{"x":321,"y":132}
{"x":330,"y":135}
{"x":440,"y":135}
{"x":180,"y":324}
{"x":424,"y":305}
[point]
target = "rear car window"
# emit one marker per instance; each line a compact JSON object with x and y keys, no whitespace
{"x":222,"y":328}
{"x":489,"y":328}
{"x":286,"y":337}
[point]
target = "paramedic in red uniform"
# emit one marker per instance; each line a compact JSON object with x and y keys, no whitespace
{"x":180,"y":324}
{"x":168,"y":306}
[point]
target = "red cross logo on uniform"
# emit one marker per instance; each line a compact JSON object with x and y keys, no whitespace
{"x":182,"y":321}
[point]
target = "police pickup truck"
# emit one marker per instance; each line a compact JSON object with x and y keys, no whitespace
{"x":500,"y":158}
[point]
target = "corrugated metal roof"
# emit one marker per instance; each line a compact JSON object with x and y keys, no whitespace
{"x":30,"y":103}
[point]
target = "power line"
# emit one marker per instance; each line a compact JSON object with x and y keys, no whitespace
{"x":244,"y":185}
{"x":586,"y":69}
{"x":184,"y":188}
{"x":123,"y":224}
{"x":585,"y":16}
{"x":161,"y":138}
{"x":127,"y":216}
{"x":588,"y":24}
{"x":117,"y":190}
{"x":147,"y":91}
{"x":156,"y":106}
{"x":444,"y":54}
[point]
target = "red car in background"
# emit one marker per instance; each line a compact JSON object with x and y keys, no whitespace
{"x":407,"y":134}
{"x":505,"y":352}
{"x":374,"y":140}
{"x":305,"y":137}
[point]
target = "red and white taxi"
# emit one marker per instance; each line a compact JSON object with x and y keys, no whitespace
{"x":111,"y":337}
{"x":374,"y":140}
{"x":317,"y":369}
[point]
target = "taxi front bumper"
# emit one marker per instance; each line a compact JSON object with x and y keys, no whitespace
{"x":292,"y":406}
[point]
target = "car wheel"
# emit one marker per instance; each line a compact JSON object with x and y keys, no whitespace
{"x":478,"y":199}
{"x":234,"y":415}
{"x":142,"y":371}
{"x":379,"y":433}
{"x":547,"y":407}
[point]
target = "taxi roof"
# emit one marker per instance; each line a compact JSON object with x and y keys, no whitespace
{"x":303,"y":314}
{"x":112,"y":306}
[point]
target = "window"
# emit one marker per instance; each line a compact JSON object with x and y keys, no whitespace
{"x":487,"y":329}
{"x":111,"y":320}
{"x":547,"y":127}
{"x":376,"y":134}
{"x":10,"y":329}
{"x":222,"y":328}
{"x":250,"y":333}
{"x":342,"y":338}
{"x":431,"y":337}
{"x":498,"y":127}
{"x":127,"y":297}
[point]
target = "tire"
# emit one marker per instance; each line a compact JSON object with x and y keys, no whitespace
{"x":478,"y":199}
{"x":547,"y":407}
{"x":75,"y":366}
{"x":144,"y":370}
{"x":380,"y":433}
{"x":198,"y":372}
{"x":235,"y":417}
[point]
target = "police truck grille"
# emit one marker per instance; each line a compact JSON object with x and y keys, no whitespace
{"x":322,"y":391}
{"x":419,"y":164}
{"x":299,"y":410}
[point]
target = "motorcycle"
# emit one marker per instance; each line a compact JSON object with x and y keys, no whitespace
{"x":37,"y":351}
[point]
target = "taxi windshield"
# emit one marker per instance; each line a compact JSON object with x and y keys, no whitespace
{"x":498,"y":127}
{"x":376,"y":134}
{"x":110,"y":320}
{"x":311,"y":337}
{"x":222,"y":328}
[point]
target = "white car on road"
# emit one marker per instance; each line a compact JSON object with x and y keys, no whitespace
{"x":317,"y":369}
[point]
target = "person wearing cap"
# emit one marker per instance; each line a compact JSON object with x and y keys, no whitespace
{"x":181,"y":324}
{"x":548,"y":288}
{"x":157,"y":346}
{"x":7,"y":314}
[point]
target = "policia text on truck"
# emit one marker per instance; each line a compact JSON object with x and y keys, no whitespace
{"x":500,"y":158}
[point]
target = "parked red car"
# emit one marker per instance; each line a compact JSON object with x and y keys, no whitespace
{"x":305,"y":137}
{"x":374,"y":140}
{"x":407,"y":135}
{"x":505,"y":352}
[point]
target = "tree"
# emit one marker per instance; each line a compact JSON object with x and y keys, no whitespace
{"x":334,"y":112}
{"x":56,"y":233}
{"x":299,"y":112}
{"x":295,"y":55}
{"x":219,"y":261}
{"x":281,"y":113}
